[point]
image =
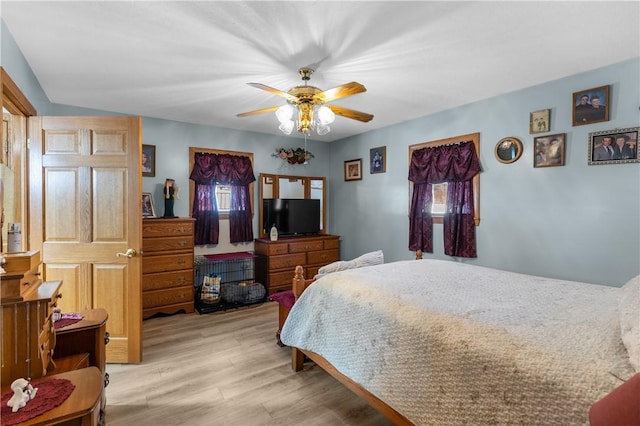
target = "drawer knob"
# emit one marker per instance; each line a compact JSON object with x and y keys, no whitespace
{"x":181,"y":261}
{"x":181,"y":279}
{"x":182,"y":243}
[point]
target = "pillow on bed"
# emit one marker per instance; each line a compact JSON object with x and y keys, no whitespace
{"x":629,"y":305}
{"x":367,"y":259}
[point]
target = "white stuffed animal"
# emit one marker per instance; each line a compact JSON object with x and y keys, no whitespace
{"x":22,"y":393}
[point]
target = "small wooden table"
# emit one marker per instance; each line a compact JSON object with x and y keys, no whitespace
{"x":82,"y":407}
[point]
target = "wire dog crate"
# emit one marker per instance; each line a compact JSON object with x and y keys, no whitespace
{"x":225,"y":281}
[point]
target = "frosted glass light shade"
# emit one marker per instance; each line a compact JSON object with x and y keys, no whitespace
{"x":284,"y":113}
{"x":323,"y":129}
{"x":325,"y":115}
{"x":286,"y":127}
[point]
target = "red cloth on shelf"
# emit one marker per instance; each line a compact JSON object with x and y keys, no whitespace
{"x":50,"y":394}
{"x":68,"y":319}
{"x":285,"y":298}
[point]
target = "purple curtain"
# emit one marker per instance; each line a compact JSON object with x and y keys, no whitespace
{"x":234,"y":170}
{"x":240,"y":225}
{"x":457,"y":165}
{"x":205,"y":211}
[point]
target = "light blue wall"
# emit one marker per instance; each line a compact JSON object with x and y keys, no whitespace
{"x":575,"y":222}
{"x":16,"y":66}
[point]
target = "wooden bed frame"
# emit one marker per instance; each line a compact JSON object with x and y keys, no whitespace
{"x":299,"y":285}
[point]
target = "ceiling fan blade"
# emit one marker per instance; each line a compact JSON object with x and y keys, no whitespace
{"x":350,"y":113}
{"x":276,"y":92}
{"x":343,"y":91}
{"x":258,"y":111}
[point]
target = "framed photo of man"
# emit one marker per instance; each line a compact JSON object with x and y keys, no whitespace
{"x":591,"y":106}
{"x":148,"y":160}
{"x":614,"y":146}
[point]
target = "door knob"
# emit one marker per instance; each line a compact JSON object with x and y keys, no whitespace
{"x":129,"y":253}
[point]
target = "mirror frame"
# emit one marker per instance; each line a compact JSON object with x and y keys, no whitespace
{"x":275,"y":179}
{"x":14,"y":101}
{"x":512,"y":142}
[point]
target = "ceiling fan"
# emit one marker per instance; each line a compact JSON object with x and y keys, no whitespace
{"x":308,"y":100}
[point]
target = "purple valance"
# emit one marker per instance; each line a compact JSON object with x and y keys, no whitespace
{"x":209,"y":169}
{"x":444,"y":163}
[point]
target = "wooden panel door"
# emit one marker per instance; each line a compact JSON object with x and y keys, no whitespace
{"x":85,"y":208}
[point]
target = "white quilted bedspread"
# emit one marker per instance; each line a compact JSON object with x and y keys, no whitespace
{"x":446,"y":343}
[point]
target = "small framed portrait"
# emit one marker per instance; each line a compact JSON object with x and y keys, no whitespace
{"x":591,"y":106}
{"x":549,"y":150}
{"x":148,"y":208}
{"x":614,"y":146}
{"x":378,"y":160}
{"x":539,"y":121}
{"x":353,"y":169}
{"x":148,"y":160}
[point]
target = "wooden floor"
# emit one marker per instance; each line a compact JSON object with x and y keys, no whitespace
{"x":226,"y":369}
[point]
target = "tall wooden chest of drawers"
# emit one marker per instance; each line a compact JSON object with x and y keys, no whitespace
{"x":167,"y":266}
{"x":281,"y":257}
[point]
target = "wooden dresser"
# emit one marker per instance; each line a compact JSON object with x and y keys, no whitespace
{"x":167,"y":266}
{"x":280,"y":258}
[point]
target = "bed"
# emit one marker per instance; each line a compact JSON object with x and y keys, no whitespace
{"x":441,"y":342}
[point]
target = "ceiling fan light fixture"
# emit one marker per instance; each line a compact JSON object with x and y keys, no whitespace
{"x":286,"y":127}
{"x":323,"y":129}
{"x":306,"y":110}
{"x":284,"y":113}
{"x":325,"y":116}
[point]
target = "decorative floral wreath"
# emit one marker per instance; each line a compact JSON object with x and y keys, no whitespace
{"x":293,"y":156}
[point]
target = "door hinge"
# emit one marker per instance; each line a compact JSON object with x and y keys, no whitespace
{"x":28,"y":143}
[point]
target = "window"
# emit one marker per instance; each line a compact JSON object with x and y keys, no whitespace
{"x":223,"y":198}
{"x":223,"y":192}
{"x":439,"y":191}
{"x":439,"y":194}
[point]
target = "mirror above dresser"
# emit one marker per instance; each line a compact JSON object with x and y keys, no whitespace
{"x":273,"y":186}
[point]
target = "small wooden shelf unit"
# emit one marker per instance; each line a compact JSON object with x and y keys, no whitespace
{"x":282,"y":256}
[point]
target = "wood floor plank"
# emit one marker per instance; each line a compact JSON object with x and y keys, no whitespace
{"x":226,"y":369}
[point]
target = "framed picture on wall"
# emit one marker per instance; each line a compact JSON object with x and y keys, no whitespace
{"x":148,"y":160}
{"x":591,"y":106}
{"x":378,"y":160}
{"x":539,"y":121}
{"x":549,"y":150}
{"x":353,"y":169}
{"x":614,"y":146}
{"x":148,"y":208}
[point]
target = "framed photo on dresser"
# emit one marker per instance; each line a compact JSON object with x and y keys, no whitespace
{"x":148,"y":208}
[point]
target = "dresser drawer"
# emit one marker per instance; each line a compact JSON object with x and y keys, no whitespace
{"x":271,"y":249}
{"x":281,"y":278}
{"x":333,"y":243}
{"x":322,"y":257}
{"x":150,"y":245}
{"x":286,"y":261}
{"x":305,"y":246}
{"x":167,"y":279}
{"x":311,"y":272}
{"x":165,"y":229}
{"x":151,"y":299}
{"x":165,"y":263}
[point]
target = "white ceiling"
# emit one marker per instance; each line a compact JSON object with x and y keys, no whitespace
{"x":190,"y":61}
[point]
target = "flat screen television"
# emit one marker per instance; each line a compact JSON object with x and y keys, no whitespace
{"x":291,"y":216}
